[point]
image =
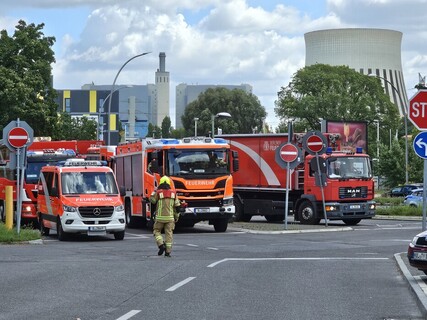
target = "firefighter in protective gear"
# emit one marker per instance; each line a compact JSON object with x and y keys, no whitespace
{"x":166,"y":215}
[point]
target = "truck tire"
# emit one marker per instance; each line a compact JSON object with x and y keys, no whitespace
{"x":351,"y":222}
{"x":43,"y":230}
{"x":60,"y":232}
{"x":119,"y":235}
{"x":239,"y":213}
{"x":2,"y":213}
{"x":220,"y":225}
{"x":306,"y":213}
{"x":130,"y":221}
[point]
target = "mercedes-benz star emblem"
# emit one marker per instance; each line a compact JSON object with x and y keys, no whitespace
{"x":96,"y":211}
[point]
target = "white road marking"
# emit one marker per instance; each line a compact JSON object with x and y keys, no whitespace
{"x":129,"y":315}
{"x":289,"y":259}
{"x":192,"y":245}
{"x":136,"y":235}
{"x":211,"y":248}
{"x":180,"y":284}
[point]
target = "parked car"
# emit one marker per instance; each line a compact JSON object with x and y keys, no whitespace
{"x":417,"y":252}
{"x":402,"y":191}
{"x":415,"y":199}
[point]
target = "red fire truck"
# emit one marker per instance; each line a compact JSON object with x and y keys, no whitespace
{"x":200,"y":170}
{"x":260,"y":183}
{"x":40,"y":153}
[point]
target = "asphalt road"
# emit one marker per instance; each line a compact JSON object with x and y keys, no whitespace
{"x":332,"y":272}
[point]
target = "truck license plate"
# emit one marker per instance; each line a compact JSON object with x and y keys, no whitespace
{"x":201,"y":210}
{"x":420,"y":256}
{"x":355,"y":206}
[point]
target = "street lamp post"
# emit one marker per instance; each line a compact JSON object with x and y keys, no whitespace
{"x":218,"y":115}
{"x":378,"y":139}
{"x":405,"y":115}
{"x":195,"y":126}
{"x":101,"y":109}
{"x":112,"y":90}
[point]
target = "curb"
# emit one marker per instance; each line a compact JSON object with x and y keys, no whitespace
{"x":297,"y":231}
{"x":422,"y":298}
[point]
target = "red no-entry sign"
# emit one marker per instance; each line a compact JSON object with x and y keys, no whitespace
{"x":314,"y":142}
{"x":18,"y":137}
{"x":288,"y":152}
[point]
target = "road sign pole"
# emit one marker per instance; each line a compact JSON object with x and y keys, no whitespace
{"x":288,"y":176}
{"x":424,"y":196}
{"x":319,"y":172}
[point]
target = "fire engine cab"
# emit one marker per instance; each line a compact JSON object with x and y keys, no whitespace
{"x":79,"y":196}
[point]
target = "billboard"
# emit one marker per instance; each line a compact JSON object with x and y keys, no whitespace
{"x":353,"y":134}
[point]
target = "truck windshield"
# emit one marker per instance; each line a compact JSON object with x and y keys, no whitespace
{"x":349,"y":167}
{"x":198,"y":162}
{"x":32,"y":171}
{"x":88,"y":182}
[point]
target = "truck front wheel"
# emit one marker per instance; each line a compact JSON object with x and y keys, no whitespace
{"x":62,"y":235}
{"x":351,"y":222}
{"x":220,"y":225}
{"x":119,"y":235}
{"x":306,"y":213}
{"x":2,"y":214}
{"x":130,"y":221}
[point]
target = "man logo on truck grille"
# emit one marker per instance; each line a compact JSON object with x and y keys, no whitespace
{"x":96,"y":212}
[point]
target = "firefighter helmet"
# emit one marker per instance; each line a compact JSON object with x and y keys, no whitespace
{"x":165,"y":179}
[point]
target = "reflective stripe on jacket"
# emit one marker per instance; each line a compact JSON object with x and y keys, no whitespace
{"x":166,"y":202}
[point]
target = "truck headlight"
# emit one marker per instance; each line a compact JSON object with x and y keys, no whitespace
{"x":119,"y":208}
{"x":69,"y":208}
{"x":331,"y":208}
{"x":227,"y":202}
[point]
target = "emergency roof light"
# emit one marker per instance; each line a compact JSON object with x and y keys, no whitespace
{"x":219,"y":140}
{"x":169,"y":141}
{"x":82,"y":163}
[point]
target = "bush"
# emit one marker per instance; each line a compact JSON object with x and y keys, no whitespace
{"x":399,"y":210}
{"x":25,"y":234}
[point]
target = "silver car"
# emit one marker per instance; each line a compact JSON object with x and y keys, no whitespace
{"x":415,"y":199}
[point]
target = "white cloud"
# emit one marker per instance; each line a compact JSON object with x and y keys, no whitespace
{"x":215,"y":41}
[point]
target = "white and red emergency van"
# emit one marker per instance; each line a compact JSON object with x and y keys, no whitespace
{"x":80,"y":196}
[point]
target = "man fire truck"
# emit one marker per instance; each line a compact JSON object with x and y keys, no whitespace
{"x":260,"y":183}
{"x":41,"y":152}
{"x":200,"y":171}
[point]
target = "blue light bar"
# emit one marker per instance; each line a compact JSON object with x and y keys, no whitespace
{"x":219,"y":140}
{"x":329,"y":150}
{"x":359,"y":150}
{"x":169,"y":141}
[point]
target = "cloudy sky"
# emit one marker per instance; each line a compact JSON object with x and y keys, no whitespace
{"x":258,"y":42}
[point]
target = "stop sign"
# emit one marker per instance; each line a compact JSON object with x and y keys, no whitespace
{"x":18,"y":137}
{"x":288,"y":152}
{"x":417,"y":112}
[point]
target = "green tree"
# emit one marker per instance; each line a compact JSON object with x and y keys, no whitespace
{"x":153,"y":131}
{"x":25,"y":79}
{"x":245,"y":110}
{"x":392,"y":163}
{"x":73,"y":128}
{"x":166,"y":127}
{"x":336,"y":93}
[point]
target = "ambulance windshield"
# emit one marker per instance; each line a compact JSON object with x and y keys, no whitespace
{"x":198,"y":162}
{"x":88,"y":182}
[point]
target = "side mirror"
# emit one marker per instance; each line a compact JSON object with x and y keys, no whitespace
{"x":54,"y":192}
{"x":122,"y":191}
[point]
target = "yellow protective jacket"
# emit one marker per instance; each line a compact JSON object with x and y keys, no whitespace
{"x":166,"y":201}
